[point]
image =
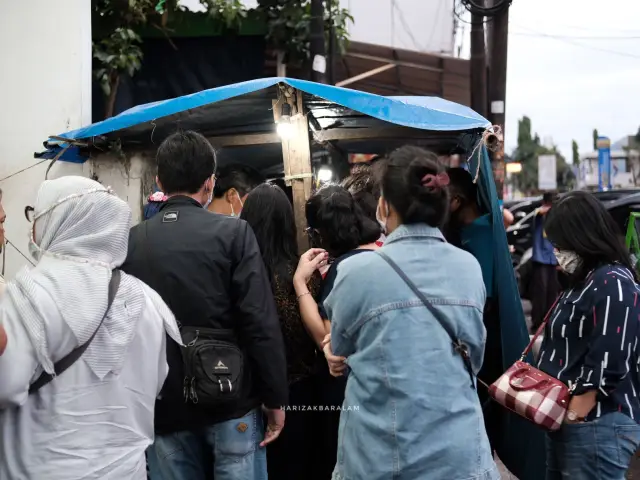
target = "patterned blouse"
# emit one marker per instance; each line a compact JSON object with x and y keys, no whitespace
{"x":299,"y":346}
{"x":591,"y":341}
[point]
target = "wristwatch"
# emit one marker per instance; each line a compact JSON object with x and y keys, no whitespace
{"x":573,"y":417}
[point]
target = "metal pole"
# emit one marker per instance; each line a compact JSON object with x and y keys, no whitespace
{"x":498,"y":89}
{"x":478,"y":66}
{"x":317,"y":48}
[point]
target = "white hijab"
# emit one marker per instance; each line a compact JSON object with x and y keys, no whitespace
{"x":80,"y":233}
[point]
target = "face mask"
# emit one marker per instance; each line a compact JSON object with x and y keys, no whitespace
{"x":382,"y":222}
{"x":34,"y":251}
{"x":210,"y":198}
{"x":568,"y":261}
{"x":233,"y":213}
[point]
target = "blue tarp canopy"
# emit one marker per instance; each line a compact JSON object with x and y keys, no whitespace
{"x":246,"y":108}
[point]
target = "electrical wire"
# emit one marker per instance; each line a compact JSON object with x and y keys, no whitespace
{"x":458,"y":15}
{"x":588,"y":47}
{"x":8,"y":242}
{"x":403,"y":20}
{"x":24,"y":170}
{"x":482,"y":11}
{"x":437,"y":15}
{"x":592,"y":29}
{"x":574,"y":37}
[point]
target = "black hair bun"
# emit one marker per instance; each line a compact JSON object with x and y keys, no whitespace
{"x":417,"y":176}
{"x":414,"y":183}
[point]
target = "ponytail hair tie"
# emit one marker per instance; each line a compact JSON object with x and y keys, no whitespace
{"x":435,"y":181}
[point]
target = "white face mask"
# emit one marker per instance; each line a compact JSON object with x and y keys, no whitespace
{"x":382,"y":221}
{"x":210,"y":198}
{"x":568,"y":261}
{"x":233,"y":213}
{"x":35,"y":251}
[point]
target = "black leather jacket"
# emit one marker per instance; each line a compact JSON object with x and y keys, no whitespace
{"x":208,"y":269}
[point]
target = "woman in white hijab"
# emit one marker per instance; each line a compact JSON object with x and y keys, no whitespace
{"x":94,"y":420}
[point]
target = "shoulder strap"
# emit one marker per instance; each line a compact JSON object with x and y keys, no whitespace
{"x":64,"y":363}
{"x":459,"y":347}
{"x":540,"y":329}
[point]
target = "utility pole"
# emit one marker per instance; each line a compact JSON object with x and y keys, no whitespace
{"x":332,"y":45}
{"x":498,"y":86}
{"x":478,"y":65}
{"x":318,"y":57}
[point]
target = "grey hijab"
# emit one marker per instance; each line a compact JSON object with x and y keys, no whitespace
{"x":80,"y":233}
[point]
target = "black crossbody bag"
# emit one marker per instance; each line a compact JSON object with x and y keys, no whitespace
{"x":212,"y":361}
{"x":63,"y":364}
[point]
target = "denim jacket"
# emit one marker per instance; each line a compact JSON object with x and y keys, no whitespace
{"x":409,"y":411}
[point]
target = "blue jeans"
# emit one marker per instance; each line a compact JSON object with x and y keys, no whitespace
{"x":225,"y":451}
{"x":600,"y":450}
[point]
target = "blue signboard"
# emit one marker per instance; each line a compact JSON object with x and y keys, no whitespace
{"x":604,"y":163}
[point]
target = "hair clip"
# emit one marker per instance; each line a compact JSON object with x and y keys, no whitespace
{"x":437,"y":181}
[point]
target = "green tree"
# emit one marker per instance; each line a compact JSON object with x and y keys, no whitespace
{"x":118,"y":51}
{"x":595,"y":138}
{"x":575,"y":153}
{"x":527,"y":152}
{"x":289,"y":30}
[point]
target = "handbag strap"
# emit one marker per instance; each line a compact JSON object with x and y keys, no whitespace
{"x":458,"y":346}
{"x":64,"y":363}
{"x":540,"y":329}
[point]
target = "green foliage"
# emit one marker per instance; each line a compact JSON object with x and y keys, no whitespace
{"x":575,"y":152}
{"x":288,"y":23}
{"x":126,"y":12}
{"x":637,"y":137}
{"x":230,"y":12}
{"x":595,"y":139}
{"x":117,"y":53}
{"x":527,"y":152}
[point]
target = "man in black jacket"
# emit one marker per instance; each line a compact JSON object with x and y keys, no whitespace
{"x":208,"y":269}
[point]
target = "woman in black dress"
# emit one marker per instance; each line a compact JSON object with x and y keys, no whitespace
{"x":338,"y":229}
{"x":269,"y":213}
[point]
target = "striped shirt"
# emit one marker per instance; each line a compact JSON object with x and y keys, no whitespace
{"x":591,"y":341}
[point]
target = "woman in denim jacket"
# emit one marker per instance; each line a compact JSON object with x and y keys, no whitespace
{"x":410,"y":410}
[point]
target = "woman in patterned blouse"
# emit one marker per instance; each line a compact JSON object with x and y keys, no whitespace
{"x":591,"y":343}
{"x":270,"y":214}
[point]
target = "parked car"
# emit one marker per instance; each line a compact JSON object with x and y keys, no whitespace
{"x":620,"y":206}
{"x":519,"y":235}
{"x":522,"y":207}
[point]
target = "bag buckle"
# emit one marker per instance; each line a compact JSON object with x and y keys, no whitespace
{"x":222,"y":385}
{"x":462,"y":349}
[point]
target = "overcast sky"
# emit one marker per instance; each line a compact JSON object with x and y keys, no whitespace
{"x":574,"y":65}
{"x":569,"y":86}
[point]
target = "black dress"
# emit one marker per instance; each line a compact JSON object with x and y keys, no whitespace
{"x":292,"y":455}
{"x":331,"y":389}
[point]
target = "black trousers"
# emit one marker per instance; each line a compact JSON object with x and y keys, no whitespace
{"x":292,"y":455}
{"x":544,"y":289}
{"x":492,"y":368}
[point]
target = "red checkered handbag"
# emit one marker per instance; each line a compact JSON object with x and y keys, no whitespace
{"x":531,"y":393}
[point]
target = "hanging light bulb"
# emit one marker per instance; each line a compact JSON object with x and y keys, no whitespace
{"x":285,"y":128}
{"x":325,"y":174}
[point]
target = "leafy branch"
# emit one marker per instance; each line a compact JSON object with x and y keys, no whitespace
{"x":118,"y":53}
{"x":289,"y":27}
{"x":230,"y":12}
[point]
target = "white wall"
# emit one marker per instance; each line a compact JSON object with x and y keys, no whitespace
{"x":132,"y":179}
{"x":45,"y":89}
{"x":420,"y":25}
